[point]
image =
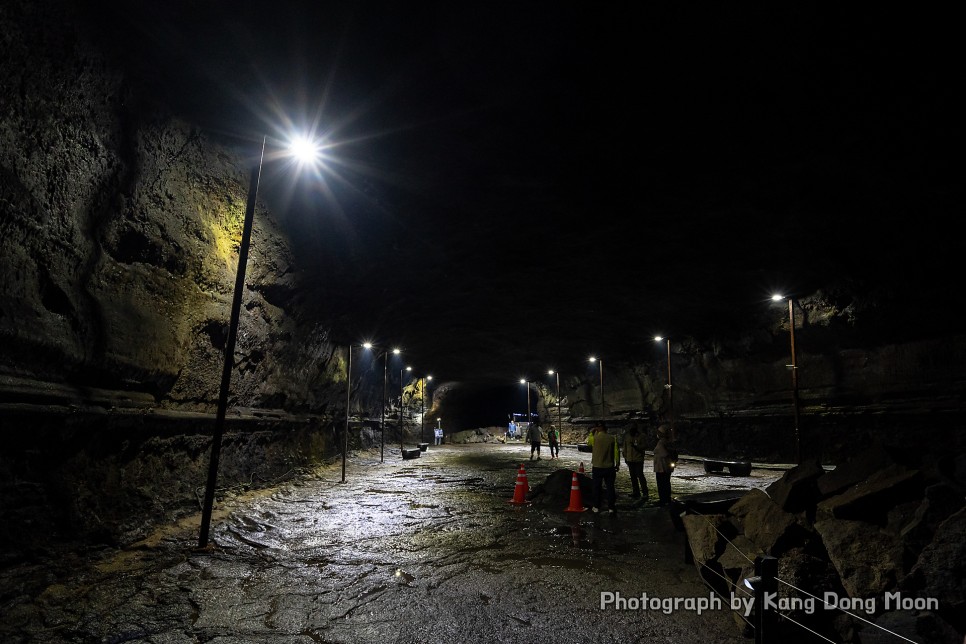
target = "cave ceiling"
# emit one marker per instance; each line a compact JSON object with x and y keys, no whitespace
{"x":517,"y":185}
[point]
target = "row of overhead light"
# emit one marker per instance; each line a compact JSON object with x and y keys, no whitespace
{"x":777,"y":297}
{"x":385,"y":385}
{"x":600,"y":364}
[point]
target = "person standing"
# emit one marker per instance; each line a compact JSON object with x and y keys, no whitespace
{"x":534,"y":435}
{"x":553,"y":439}
{"x":633,"y":448}
{"x":439,"y":436}
{"x":663,"y":466}
{"x":605,"y":462}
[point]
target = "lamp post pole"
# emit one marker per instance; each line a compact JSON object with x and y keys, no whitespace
{"x":529,"y":413}
{"x":382,"y":424}
{"x":209,"y":499}
{"x":385,"y":389}
{"x":670,"y":399}
{"x":559,"y":415}
{"x":401,"y":372}
{"x":348,"y":392}
{"x":529,"y":417}
{"x":603,"y":404}
{"x":600,"y":363}
{"x":422,"y":402}
{"x":307,"y":151}
{"x":794,"y":367}
{"x":670,"y":390}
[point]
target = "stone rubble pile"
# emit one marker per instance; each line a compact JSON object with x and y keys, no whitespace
{"x":881,"y":535}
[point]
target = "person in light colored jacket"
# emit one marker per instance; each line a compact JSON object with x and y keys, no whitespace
{"x":606,"y":460}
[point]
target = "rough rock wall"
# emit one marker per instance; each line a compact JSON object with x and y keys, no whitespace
{"x":110,"y":477}
{"x":733,"y":399}
{"x":119,"y":229}
{"x":119,"y":232}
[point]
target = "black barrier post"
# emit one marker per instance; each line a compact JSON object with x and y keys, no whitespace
{"x":688,"y":553}
{"x":765,"y":585}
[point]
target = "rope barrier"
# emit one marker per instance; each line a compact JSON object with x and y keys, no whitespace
{"x":721,"y":534}
{"x":729,"y":582}
{"x":800,"y":625}
{"x":726,"y":579}
{"x":805,"y":592}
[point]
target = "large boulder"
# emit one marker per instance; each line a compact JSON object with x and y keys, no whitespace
{"x":704,"y":537}
{"x":556,"y":489}
{"x":800,"y":568}
{"x":871,"y":499}
{"x":469,"y":436}
{"x":854,"y":471}
{"x":913,"y":625}
{"x":867,"y":558}
{"x":706,"y":543}
{"x":797,"y":490}
{"x":737,"y":562}
{"x":940,"y":502}
{"x":940,"y":572}
{"x":766,"y":524}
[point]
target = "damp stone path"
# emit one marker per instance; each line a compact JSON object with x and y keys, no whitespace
{"x":421,"y":550}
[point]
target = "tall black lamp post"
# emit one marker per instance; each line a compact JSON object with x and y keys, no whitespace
{"x":307,"y":152}
{"x":559,"y":416}
{"x":401,"y":372}
{"x":600,"y":363}
{"x":422,"y":408}
{"x":348,"y":396}
{"x":794,"y":368}
{"x":385,"y":388}
{"x":670,"y":399}
{"x":524,"y":381}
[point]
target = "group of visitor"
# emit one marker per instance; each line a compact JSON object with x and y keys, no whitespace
{"x":605,"y":463}
{"x":535,"y":437}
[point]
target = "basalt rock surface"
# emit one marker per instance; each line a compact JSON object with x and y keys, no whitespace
{"x":869,"y":561}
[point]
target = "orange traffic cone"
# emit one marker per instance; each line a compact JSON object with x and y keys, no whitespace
{"x":581,"y":470}
{"x":576,"y":500}
{"x":521,"y":488}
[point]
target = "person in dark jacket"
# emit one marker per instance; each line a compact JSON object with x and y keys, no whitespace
{"x":663,"y":466}
{"x":633,"y":448}
{"x":534,"y":435}
{"x":553,"y":439}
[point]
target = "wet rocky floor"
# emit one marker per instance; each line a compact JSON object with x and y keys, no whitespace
{"x":422,"y":550}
